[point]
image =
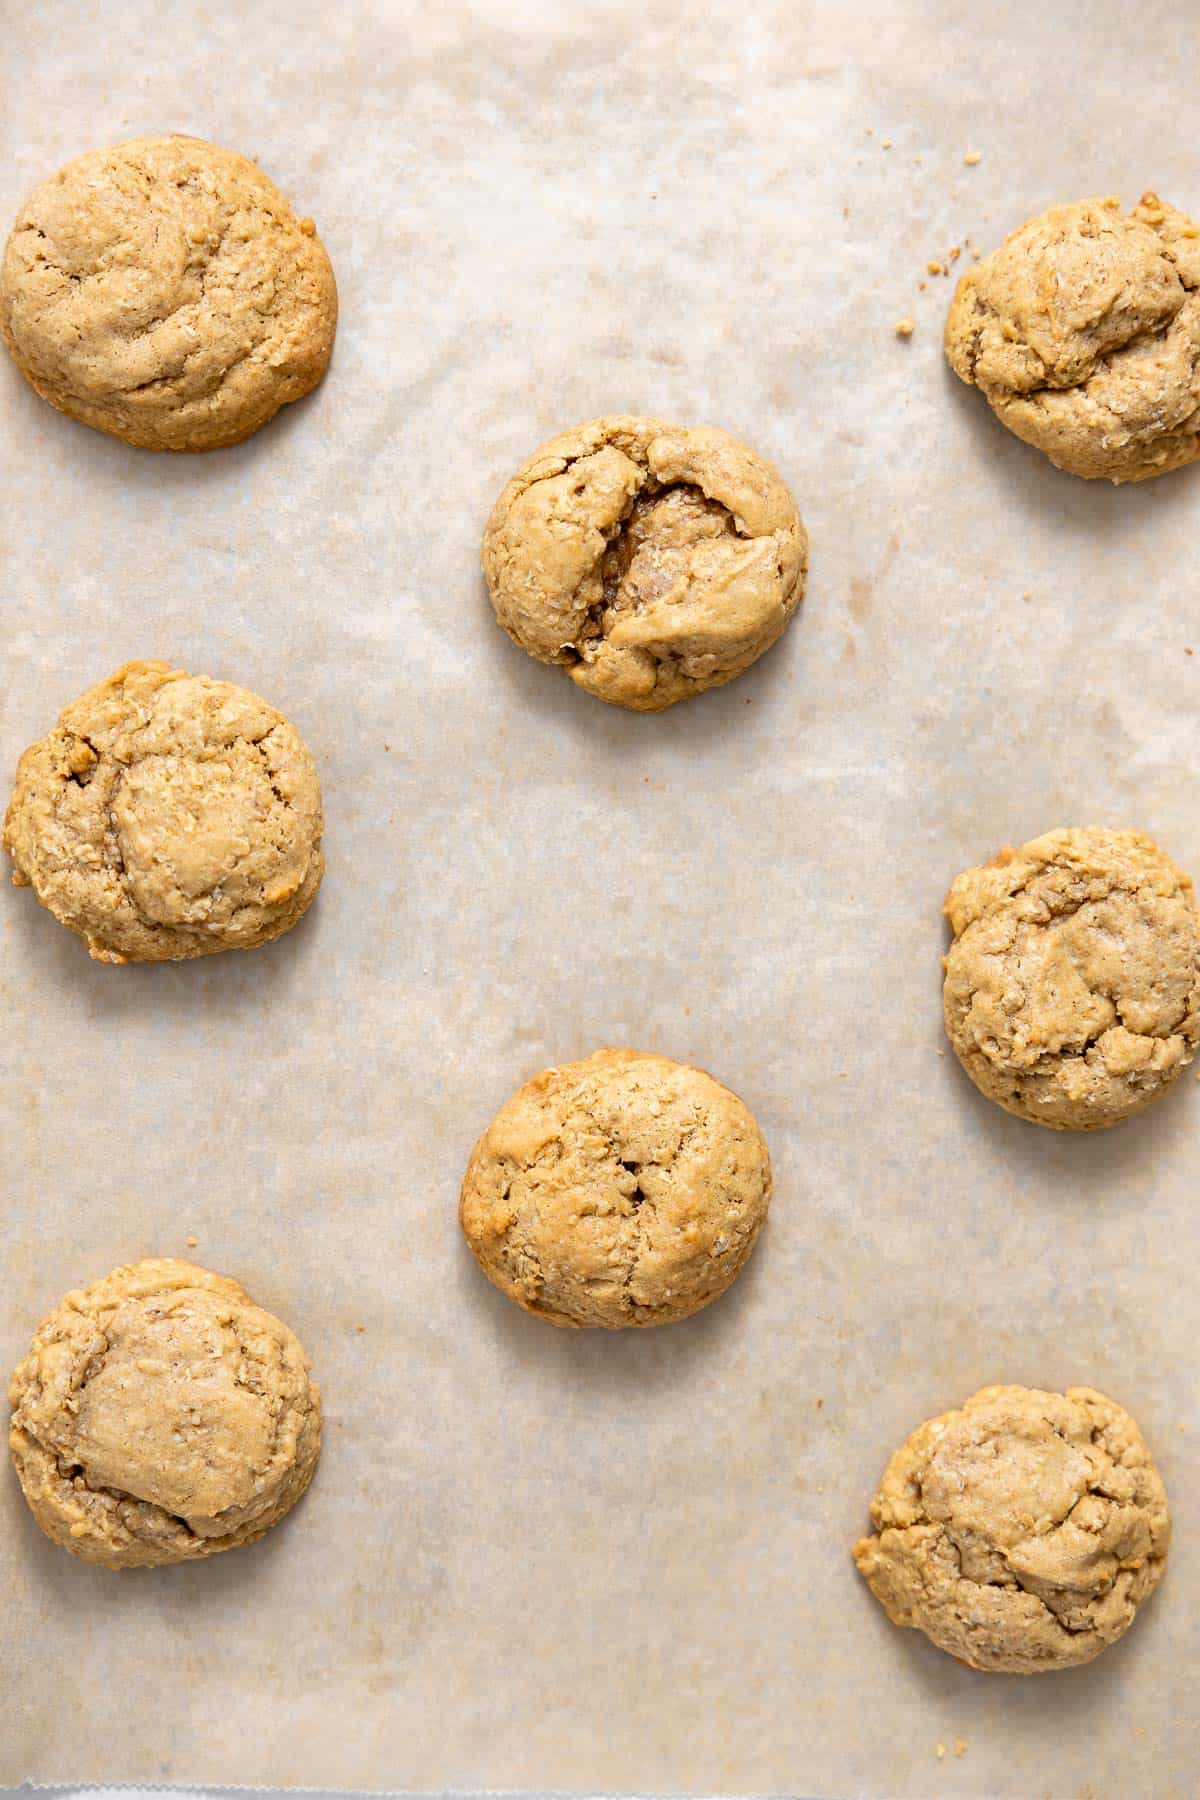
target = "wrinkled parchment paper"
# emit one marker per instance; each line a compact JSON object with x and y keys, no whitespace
{"x":585,"y":1561}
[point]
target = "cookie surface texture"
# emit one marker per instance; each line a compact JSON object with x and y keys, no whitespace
{"x":650,"y":561}
{"x":622,"y":1190}
{"x":1082,"y":332}
{"x":1072,"y":987}
{"x":1020,"y":1532}
{"x":163,"y":291}
{"x":168,"y":816}
{"x":160,"y":1416}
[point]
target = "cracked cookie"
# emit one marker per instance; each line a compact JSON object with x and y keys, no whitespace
{"x":168,"y":816}
{"x":1020,"y":1532}
{"x":1072,"y":990}
{"x":650,"y":561}
{"x":1082,"y":332}
{"x":163,"y":291}
{"x":161,"y":1416}
{"x":625,"y":1189}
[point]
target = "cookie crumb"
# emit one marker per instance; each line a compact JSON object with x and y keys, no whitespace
{"x":960,"y":1746}
{"x":935,"y":268}
{"x":1188,"y":650}
{"x":192,"y":1242}
{"x":360,"y":1328}
{"x":885,"y":143}
{"x":972,"y":157}
{"x":905,"y":327}
{"x":956,"y":252}
{"x":941,"y":1751}
{"x":820,"y":1403}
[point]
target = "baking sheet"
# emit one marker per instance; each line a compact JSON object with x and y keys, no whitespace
{"x":532,"y":1559}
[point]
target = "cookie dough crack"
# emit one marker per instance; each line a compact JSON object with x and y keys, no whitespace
{"x":74,"y":1476}
{"x":635,"y":1257}
{"x":639,"y":1209}
{"x":614,"y":603}
{"x":259,"y":744}
{"x":1013,"y":1584}
{"x":83,"y":777}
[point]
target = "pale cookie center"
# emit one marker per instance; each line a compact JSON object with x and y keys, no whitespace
{"x":123,"y":291}
{"x":187,"y":829}
{"x":1118,"y":961}
{"x":650,"y":560}
{"x":166,"y":1419}
{"x":1004,"y":1486}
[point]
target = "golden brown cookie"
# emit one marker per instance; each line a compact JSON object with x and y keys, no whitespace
{"x":167,"y":816}
{"x":1082,"y":332}
{"x":164,"y":291}
{"x":1020,"y":1532}
{"x":625,"y":1189}
{"x":650,"y":561}
{"x":161,"y":1416}
{"x":1072,"y":992}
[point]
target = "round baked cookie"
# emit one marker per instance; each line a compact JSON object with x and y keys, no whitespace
{"x":164,"y":291}
{"x":1072,"y":991}
{"x":167,"y":816}
{"x":161,"y":1416}
{"x":650,"y":561}
{"x":1082,"y":332}
{"x":1020,"y":1532}
{"x":625,"y":1189}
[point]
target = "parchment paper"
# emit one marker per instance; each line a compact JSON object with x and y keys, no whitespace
{"x":534,"y":1559}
